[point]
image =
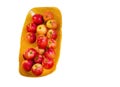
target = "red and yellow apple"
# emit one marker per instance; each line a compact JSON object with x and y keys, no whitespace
{"x":30,"y":54}
{"x":31,"y":27}
{"x":51,"y":24}
{"x":52,"y":43}
{"x":52,"y":34}
{"x":31,"y":37}
{"x":37,"y":69}
{"x":48,"y":63}
{"x":37,"y":19}
{"x":49,"y":53}
{"x":27,"y":65}
{"x":41,"y":29}
{"x":48,"y":15}
{"x":42,"y":42}
{"x":38,"y":59}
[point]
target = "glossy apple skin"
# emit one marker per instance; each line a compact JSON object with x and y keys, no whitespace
{"x":31,"y":27}
{"x":52,"y":34}
{"x":38,"y":59}
{"x":37,"y":19}
{"x":41,"y":29}
{"x":37,"y":69}
{"x":27,"y":65}
{"x":52,"y":24}
{"x":48,"y":63}
{"x":49,"y":53}
{"x":42,"y":42}
{"x":31,"y":37}
{"x":48,"y":15}
{"x":30,"y":54}
{"x":52,"y":43}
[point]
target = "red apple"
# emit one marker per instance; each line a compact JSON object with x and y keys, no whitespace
{"x":40,"y":50}
{"x":31,"y":37}
{"x":37,"y":69}
{"x":48,"y":15}
{"x":52,"y":43}
{"x":42,"y":42}
{"x":48,"y":63}
{"x":52,"y":34}
{"x":51,"y":24}
{"x":27,"y":65}
{"x":49,"y":53}
{"x":30,"y":54}
{"x":38,"y":59}
{"x":31,"y":27}
{"x":41,"y":29}
{"x":37,"y":19}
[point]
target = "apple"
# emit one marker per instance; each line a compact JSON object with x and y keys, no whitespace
{"x":40,"y":50}
{"x":42,"y":42}
{"x":27,"y":65}
{"x":38,"y":59}
{"x":30,"y":54}
{"x":47,"y":15}
{"x":48,"y":63}
{"x":31,"y":37}
{"x":52,"y":43}
{"x":49,"y":53}
{"x":51,"y":24}
{"x":37,"y":69}
{"x":31,"y":27}
{"x":37,"y":19}
{"x":52,"y":34}
{"x":41,"y":29}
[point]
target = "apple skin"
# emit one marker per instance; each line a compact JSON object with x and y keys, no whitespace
{"x":39,"y":50}
{"x":49,"y":53}
{"x":52,"y":43}
{"x":37,"y":19}
{"x":37,"y":69}
{"x":27,"y":65}
{"x":48,"y":15}
{"x":52,"y":34}
{"x":30,"y":54}
{"x":38,"y":59}
{"x":31,"y":27}
{"x":42,"y":42}
{"x":41,"y":29}
{"x":31,"y":37}
{"x":48,"y":63}
{"x":52,"y":24}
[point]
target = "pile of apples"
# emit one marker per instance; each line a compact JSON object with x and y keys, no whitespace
{"x":42,"y":31}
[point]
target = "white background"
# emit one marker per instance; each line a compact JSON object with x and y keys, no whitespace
{"x":90,"y":52}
